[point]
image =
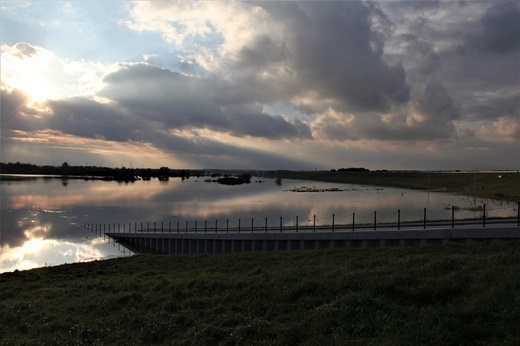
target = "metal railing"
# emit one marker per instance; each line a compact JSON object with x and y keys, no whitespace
{"x":358,"y":222}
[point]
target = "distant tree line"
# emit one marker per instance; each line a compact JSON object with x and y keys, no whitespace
{"x":95,"y":172}
{"x":357,"y":169}
{"x":351,"y":169}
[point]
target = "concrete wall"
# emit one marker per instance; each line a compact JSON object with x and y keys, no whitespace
{"x":186,"y":243}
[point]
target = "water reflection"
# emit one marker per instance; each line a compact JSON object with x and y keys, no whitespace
{"x":42,"y":219}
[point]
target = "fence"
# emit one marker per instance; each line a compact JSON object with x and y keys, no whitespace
{"x":260,"y":225}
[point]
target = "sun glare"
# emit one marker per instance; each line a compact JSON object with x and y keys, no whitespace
{"x":33,"y":245}
{"x":33,"y":70}
{"x":37,"y":91}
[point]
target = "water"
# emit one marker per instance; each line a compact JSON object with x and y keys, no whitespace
{"x":42,"y":219}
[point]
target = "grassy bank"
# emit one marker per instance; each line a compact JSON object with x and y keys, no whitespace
{"x":482,"y":185}
{"x":442,"y":295}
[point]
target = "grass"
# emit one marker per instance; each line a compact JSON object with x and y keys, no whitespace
{"x":482,"y":185}
{"x":433,"y":295}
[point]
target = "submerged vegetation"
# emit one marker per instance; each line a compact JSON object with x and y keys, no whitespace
{"x":314,"y":189}
{"x":495,"y":185}
{"x":433,"y":295}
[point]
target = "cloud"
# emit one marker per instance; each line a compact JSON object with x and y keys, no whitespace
{"x":22,"y":50}
{"x":259,"y":81}
{"x":44,"y":75}
{"x":328,"y":49}
{"x":337,"y":55}
{"x":497,"y":30}
{"x":508,"y":127}
{"x":179,"y":101}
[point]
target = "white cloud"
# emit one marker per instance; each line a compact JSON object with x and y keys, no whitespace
{"x":43,"y":75}
{"x":211,"y":31}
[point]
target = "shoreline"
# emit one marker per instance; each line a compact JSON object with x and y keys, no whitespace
{"x":498,"y":186}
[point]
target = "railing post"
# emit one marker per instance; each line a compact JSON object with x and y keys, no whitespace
{"x":398,"y":219}
{"x":148,"y":227}
{"x":195,"y":226}
{"x":332,"y":222}
{"x":178,"y":226}
{"x":154,"y":226}
{"x":239,"y":225}
{"x":162,"y":228}
{"x":484,"y":216}
{"x":205,"y":226}
{"x":266,"y":225}
{"x":424,"y":219}
{"x":186,"y":226}
{"x":375,"y":220}
{"x":452,"y":216}
{"x":227,"y":225}
{"x":169,"y":227}
{"x":280,"y":224}
{"x":252,"y":224}
{"x":353,"y":220}
{"x":216,"y":227}
{"x":314,"y":224}
{"x":296,"y":223}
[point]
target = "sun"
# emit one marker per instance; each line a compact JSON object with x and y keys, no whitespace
{"x":37,"y":91}
{"x":34,"y":85}
{"x":33,"y":245}
{"x":32,"y":73}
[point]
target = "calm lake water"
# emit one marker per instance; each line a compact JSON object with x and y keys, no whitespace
{"x":42,"y":219}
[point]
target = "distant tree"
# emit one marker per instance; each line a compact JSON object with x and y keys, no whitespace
{"x":146,"y":174}
{"x":164,"y":173}
{"x":246,"y":177}
{"x":354,"y":169}
{"x":64,"y":169}
{"x":124,"y":174}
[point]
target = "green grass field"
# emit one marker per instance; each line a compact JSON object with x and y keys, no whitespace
{"x":483,"y":185}
{"x":433,"y":295}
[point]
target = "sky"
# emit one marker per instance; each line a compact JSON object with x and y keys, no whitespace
{"x":300,"y":85}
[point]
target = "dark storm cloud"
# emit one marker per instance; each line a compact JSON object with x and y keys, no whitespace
{"x":86,"y":118}
{"x":207,"y":153}
{"x":17,"y":116}
{"x":482,"y":68}
{"x":499,"y":29}
{"x":253,"y":121}
{"x":331,"y":50}
{"x":13,"y":107}
{"x":183,"y":102}
{"x":160,"y":95}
